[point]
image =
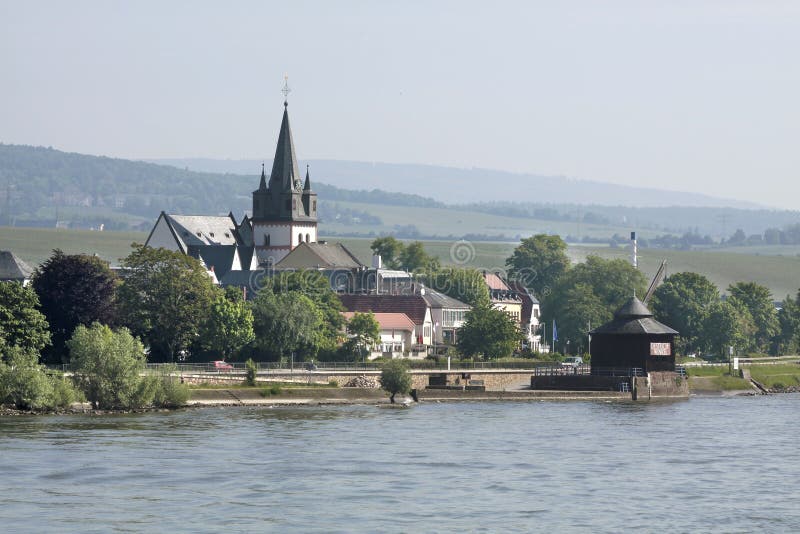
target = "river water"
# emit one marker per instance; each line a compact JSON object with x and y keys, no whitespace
{"x":708,"y":464}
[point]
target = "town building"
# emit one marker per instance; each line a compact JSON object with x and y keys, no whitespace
{"x":503,"y":297}
{"x":530,"y":315}
{"x":413,"y":306}
{"x":397,"y":336}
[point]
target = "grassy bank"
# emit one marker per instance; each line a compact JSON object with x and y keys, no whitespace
{"x":717,"y":378}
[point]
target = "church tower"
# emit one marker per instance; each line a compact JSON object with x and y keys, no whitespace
{"x":285,"y":208}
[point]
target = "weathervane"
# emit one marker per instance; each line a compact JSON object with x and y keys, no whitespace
{"x":286,"y":90}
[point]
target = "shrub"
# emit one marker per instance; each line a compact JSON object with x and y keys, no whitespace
{"x":170,"y":393}
{"x":251,"y":372}
{"x":64,"y":392}
{"x":23,"y":382}
{"x":395,"y":378}
{"x":274,"y":389}
{"x":108,"y":365}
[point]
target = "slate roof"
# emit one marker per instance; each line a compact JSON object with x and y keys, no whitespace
{"x":195,"y":230}
{"x":389,"y":321}
{"x":414,"y":306}
{"x":434,"y":299}
{"x":319,"y":256}
{"x":218,"y":257}
{"x":633,"y":318}
{"x":13,"y":268}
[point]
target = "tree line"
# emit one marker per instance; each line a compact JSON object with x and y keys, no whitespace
{"x":583,"y":296}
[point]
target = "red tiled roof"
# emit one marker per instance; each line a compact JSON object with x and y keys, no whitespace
{"x":389,"y":321}
{"x":414,"y":306}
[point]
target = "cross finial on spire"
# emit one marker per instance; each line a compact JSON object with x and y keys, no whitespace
{"x":286,"y":90}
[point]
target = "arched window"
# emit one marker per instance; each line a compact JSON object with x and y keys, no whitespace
{"x":299,"y":238}
{"x":308,"y":238}
{"x":266,"y":240}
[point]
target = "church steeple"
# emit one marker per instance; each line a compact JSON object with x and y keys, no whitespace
{"x":285,"y":174}
{"x":284,"y":209}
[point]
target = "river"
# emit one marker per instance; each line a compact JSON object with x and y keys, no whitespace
{"x":707,"y":464}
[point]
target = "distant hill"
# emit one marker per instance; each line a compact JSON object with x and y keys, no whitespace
{"x":464,"y":186}
{"x":48,"y":188}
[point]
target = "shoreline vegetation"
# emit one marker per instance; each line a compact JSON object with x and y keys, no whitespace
{"x":703,"y":381}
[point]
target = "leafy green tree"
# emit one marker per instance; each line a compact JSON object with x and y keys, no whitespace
{"x":395,"y":378}
{"x":164,"y":298}
{"x":788,"y":339}
{"x":316,"y":287}
{"x":364,"y":330}
{"x":683,"y":302}
{"x":108,"y":366}
{"x":489,"y":332}
{"x":73,"y":289}
{"x":466,"y":285}
{"x":389,"y":249}
{"x":577,"y":309}
{"x":538,"y":262}
{"x":286,"y":322}
{"x":413,"y":258}
{"x":757,"y":300}
{"x":588,"y":295}
{"x":228,"y":327}
{"x":728,"y":324}
{"x":21,"y":323}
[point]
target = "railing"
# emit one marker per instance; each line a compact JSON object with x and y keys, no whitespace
{"x":562,"y":370}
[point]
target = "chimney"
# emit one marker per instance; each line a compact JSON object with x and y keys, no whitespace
{"x":377,"y":261}
{"x":634,"y":251}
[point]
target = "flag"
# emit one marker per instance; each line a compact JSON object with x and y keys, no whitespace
{"x":555,"y":332}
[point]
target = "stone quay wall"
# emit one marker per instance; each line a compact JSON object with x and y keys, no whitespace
{"x":495,"y":379}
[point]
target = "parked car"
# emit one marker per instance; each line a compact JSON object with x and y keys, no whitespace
{"x":222,"y":366}
{"x":572,"y":361}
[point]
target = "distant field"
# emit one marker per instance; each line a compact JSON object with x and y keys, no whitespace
{"x":447,"y":221}
{"x":780,"y":273}
{"x":767,"y":250}
{"x":35,"y":245}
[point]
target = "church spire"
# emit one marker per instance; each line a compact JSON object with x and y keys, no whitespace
{"x":307,"y":186}
{"x":285,"y":171}
{"x":263,"y":185}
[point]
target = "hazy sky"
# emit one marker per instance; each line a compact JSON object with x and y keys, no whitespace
{"x":688,"y":95}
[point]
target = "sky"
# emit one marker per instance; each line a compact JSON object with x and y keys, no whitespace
{"x":697,"y":96}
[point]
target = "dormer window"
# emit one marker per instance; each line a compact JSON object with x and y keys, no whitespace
{"x":211,"y":234}
{"x":199,"y":234}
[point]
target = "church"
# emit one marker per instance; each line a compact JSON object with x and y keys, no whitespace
{"x":281,"y":231}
